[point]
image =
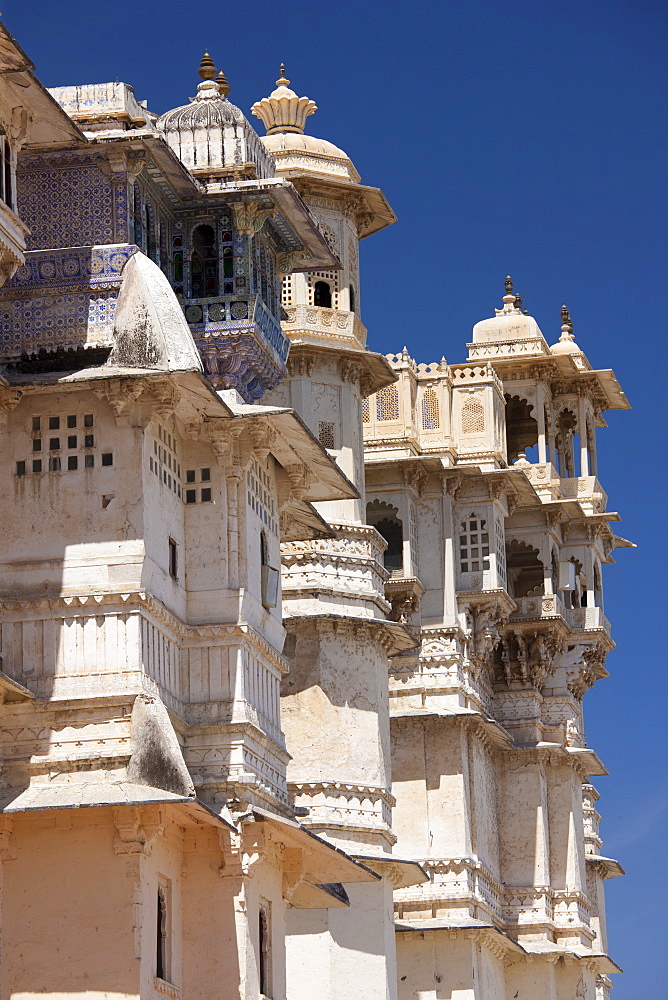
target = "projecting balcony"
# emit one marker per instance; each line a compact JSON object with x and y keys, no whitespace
{"x":539,"y":606}
{"x":587,"y":619}
{"x":344,"y":570}
{"x":304,"y":321}
{"x":586,"y":489}
{"x":241,"y":342}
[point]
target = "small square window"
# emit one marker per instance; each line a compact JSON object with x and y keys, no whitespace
{"x":206,"y":495}
{"x":36,"y":423}
{"x":191,"y":496}
{"x":54,"y":444}
{"x":20,"y":468}
{"x":36,"y":444}
{"x":190,"y":475}
{"x":107,"y":458}
{"x":54,"y":423}
{"x":37,"y":465}
{"x":475,"y":566}
{"x":72,"y":462}
{"x":89,"y":461}
{"x":54,"y":464}
{"x":206,"y":475}
{"x":465,"y":567}
{"x":72,"y":420}
{"x":88,"y":419}
{"x":89,"y":441}
{"x":71,"y":441}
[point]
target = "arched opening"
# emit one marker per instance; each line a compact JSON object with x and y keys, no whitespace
{"x":351,"y":298}
{"x":525,"y":570}
{"x":591,"y":448}
{"x":565,"y":442}
{"x":204,"y":263}
{"x":385,"y":519}
{"x":322,"y":294}
{"x":577,"y":597}
{"x":521,"y":429}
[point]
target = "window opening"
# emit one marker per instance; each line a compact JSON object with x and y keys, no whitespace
{"x":430,"y":411}
{"x":387,"y":403}
{"x":473,"y":544}
{"x":204,"y":263}
{"x":351,"y":296}
{"x":385,"y":519}
{"x":526,"y":575}
{"x":163,"y":932}
{"x":173,"y":559}
{"x":264,"y":948}
{"x":326,"y":434}
{"x":322,"y":294}
{"x":521,"y":429}
{"x":565,"y":439}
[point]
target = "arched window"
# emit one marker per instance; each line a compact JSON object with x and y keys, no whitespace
{"x":177,"y":263}
{"x":521,"y":428}
{"x":385,"y":519}
{"x":351,"y":298}
{"x":525,"y":570}
{"x":322,"y":294}
{"x":473,"y":545}
{"x":204,"y":263}
{"x":566,"y":427}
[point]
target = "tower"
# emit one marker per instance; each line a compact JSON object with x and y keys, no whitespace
{"x":335,"y":699}
{"x":486,"y":472}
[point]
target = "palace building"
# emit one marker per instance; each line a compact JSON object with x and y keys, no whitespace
{"x":294,"y":636}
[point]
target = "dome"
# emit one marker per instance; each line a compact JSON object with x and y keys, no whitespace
{"x":211,"y":136}
{"x":284,"y":116}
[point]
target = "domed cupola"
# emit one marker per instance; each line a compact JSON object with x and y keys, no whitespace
{"x":212,"y":137}
{"x":284,"y":116}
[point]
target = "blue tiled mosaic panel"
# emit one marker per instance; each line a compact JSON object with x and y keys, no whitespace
{"x":70,"y":202}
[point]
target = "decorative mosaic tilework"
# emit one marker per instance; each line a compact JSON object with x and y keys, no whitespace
{"x":83,"y":195}
{"x":62,"y":298}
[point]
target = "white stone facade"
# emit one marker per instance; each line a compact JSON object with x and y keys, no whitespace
{"x":290,"y":691}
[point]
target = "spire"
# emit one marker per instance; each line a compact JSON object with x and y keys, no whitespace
{"x":210,"y":87}
{"x":223,"y":86}
{"x":566,"y":326}
{"x":207,"y":70}
{"x":283,"y":111}
{"x":511,"y":302}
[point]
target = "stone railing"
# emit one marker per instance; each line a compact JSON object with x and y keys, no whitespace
{"x":585,"y":619}
{"x":225,"y":312}
{"x":586,"y":489}
{"x":539,"y":606}
{"x":321,"y":322}
{"x":349,"y":566}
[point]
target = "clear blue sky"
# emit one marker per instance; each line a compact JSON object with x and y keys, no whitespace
{"x":517,"y":137}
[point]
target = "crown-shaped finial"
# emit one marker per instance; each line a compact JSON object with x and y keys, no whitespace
{"x":283,"y":111}
{"x":207,"y":70}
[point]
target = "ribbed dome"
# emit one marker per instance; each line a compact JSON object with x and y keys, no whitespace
{"x":211,"y":136}
{"x":202,"y":114}
{"x":307,"y":143}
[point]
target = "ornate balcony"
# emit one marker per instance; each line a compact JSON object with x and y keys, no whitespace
{"x":241,"y":342}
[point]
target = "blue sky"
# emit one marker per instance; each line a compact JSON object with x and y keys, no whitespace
{"x":507,"y":137}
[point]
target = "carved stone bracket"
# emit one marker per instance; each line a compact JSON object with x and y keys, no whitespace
{"x":249,"y":217}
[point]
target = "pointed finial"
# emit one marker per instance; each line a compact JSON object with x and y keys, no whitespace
{"x":223,"y":86}
{"x":519,"y":302}
{"x":282,"y":80}
{"x":207,"y":70}
{"x":566,"y":316}
{"x":509,"y":284}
